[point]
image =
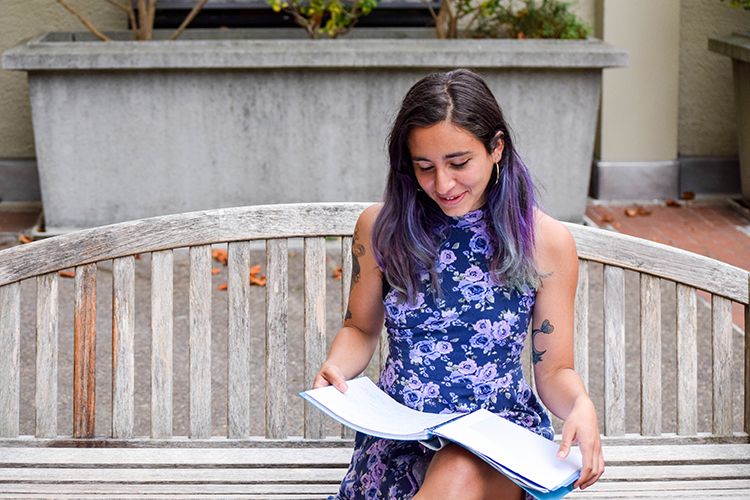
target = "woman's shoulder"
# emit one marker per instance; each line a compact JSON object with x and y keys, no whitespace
{"x":368,"y":216}
{"x":552,"y":238}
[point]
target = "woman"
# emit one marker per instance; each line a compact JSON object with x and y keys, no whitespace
{"x":458,"y":260}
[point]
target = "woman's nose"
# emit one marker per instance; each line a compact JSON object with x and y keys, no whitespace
{"x":443,"y":181}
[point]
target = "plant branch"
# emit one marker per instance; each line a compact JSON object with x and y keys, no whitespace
{"x":188,"y":19}
{"x":141,"y":34}
{"x":85,"y":21}
{"x":150,"y":16}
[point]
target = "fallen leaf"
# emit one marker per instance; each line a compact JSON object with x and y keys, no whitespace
{"x":257,"y":281}
{"x":337,"y":273}
{"x":687,"y":195}
{"x":137,"y":256}
{"x":607,"y":219}
{"x":673,"y":203}
{"x":24,"y":239}
{"x":215,"y":270}
{"x":68,"y":274}
{"x":223,"y":286}
{"x":220,"y":255}
{"x":637,"y":211}
{"x":255,"y":269}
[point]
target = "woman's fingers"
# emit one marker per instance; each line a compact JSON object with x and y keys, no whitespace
{"x":330,"y":375}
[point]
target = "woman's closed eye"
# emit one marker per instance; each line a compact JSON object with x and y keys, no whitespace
{"x":460,"y":165}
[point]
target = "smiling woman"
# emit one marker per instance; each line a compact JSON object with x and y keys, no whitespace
{"x":459,"y":262}
{"x":452,"y":166}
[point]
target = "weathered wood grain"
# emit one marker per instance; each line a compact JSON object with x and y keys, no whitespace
{"x":581,"y":328}
{"x":746,"y":405}
{"x":84,"y":355}
{"x":10,"y":359}
{"x":179,"y":230}
{"x":238,"y":355}
{"x":346,"y":288}
{"x":614,"y":351}
{"x":661,"y":260}
{"x":651,"y":402}
{"x":199,"y":371}
{"x":162,"y":324}
{"x":277,"y":320}
{"x":123,"y":347}
{"x":315,"y":328}
{"x":687,"y":360}
{"x":721,"y":334}
{"x":46,"y":355}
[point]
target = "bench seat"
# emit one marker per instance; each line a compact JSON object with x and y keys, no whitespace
{"x":293,"y":472}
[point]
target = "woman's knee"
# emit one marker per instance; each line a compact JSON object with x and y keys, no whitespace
{"x":457,"y":473}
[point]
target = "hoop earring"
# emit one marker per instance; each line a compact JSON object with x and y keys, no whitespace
{"x":497,"y":172}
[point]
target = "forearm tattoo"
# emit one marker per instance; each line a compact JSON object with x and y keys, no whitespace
{"x":358,"y":250}
{"x":545,"y":328}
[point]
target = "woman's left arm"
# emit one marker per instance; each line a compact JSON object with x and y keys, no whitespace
{"x":558,"y":385}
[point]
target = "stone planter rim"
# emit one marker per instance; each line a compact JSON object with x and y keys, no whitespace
{"x":736,"y":45}
{"x":42,"y":53}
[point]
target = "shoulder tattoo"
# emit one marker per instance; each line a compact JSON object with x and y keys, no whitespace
{"x":358,"y":250}
{"x":546,"y":328}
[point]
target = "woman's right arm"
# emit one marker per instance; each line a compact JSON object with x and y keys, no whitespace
{"x":355,"y":343}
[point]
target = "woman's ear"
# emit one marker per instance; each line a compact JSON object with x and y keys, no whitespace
{"x":497,"y":153}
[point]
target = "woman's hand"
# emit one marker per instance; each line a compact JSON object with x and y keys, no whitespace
{"x":582,"y":428}
{"x":330,"y":375}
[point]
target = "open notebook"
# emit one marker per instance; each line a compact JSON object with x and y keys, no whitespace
{"x":523,"y":456}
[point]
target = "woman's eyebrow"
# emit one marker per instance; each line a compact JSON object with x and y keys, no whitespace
{"x":446,"y":157}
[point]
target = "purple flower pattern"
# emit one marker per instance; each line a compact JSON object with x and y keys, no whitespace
{"x":453,"y":350}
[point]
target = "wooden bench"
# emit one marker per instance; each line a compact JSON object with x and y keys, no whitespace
{"x":701,"y":451}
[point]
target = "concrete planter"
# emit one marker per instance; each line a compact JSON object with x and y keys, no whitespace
{"x":737,"y":46}
{"x":133,"y":129}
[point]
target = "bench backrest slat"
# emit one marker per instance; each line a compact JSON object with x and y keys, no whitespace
{"x":162,"y":329}
{"x":643,"y":255}
{"x":238,"y":354}
{"x":84,"y":352}
{"x":721,"y":334}
{"x":10,"y":359}
{"x":687,"y":360}
{"x":46,"y":355}
{"x":650,"y":319}
{"x":123,"y":347}
{"x":614,"y":351}
{"x":277,"y":319}
{"x":746,"y":405}
{"x":581,"y":332}
{"x":346,"y":285}
{"x":199,"y":343}
{"x":315,"y":327}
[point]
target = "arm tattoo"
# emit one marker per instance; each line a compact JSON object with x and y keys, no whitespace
{"x":546,"y":328}
{"x":358,"y":250}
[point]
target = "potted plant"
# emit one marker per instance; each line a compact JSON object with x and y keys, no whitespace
{"x":128,"y":129}
{"x":737,"y":46}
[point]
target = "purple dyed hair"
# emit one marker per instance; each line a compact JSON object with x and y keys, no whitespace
{"x":406,"y":234}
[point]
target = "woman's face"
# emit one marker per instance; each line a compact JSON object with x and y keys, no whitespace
{"x":452,"y":166}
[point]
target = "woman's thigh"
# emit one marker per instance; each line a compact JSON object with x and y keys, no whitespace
{"x":457,"y":473}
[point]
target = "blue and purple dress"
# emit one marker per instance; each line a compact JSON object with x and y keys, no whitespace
{"x":451,"y":352}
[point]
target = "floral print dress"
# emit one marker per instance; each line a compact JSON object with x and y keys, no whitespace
{"x":453,"y":352}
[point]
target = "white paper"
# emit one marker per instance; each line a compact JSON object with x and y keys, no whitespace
{"x":519,"y":450}
{"x":368,"y":409}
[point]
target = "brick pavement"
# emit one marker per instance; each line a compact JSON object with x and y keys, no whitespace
{"x":715,"y":230}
